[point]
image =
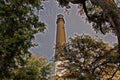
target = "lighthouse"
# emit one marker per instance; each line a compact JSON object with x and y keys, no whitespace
{"x":60,"y":36}
{"x":60,"y":42}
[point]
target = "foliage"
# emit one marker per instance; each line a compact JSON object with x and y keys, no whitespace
{"x":18,"y":24}
{"x":90,"y":59}
{"x":36,"y":68}
{"x":94,"y":60}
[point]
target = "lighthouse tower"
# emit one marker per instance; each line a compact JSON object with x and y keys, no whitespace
{"x":60,"y":41}
{"x":60,"y":36}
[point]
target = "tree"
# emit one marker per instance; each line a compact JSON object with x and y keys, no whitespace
{"x":103,"y":14}
{"x":90,"y":59}
{"x":36,"y":68}
{"x":18,"y":24}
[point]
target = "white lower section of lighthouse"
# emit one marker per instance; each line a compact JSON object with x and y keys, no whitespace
{"x":60,"y":69}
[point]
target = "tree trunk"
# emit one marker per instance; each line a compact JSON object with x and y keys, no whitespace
{"x":113,"y":12}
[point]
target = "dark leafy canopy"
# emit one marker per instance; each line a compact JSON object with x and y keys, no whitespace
{"x":18,"y":24}
{"x":90,"y":59}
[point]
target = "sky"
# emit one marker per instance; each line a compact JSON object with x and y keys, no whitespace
{"x":74,"y":24}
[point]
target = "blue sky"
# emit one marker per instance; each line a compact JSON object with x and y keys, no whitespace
{"x":74,"y":24}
